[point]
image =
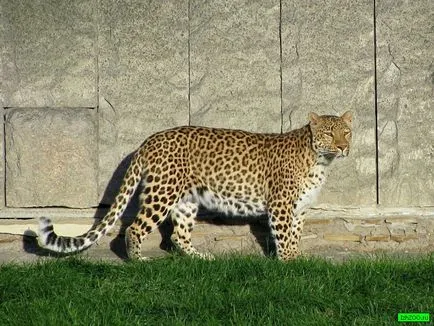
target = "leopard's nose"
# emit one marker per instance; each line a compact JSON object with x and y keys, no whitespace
{"x":342,"y":147}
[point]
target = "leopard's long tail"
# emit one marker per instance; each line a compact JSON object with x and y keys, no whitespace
{"x":48,"y":239}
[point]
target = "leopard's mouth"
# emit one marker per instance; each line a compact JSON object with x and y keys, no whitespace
{"x":330,"y":154}
{"x":337,"y":153}
{"x":341,"y":154}
{"x":327,"y":152}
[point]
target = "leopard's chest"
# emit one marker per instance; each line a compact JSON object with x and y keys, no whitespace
{"x":310,"y":188}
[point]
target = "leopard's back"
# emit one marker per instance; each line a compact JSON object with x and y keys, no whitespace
{"x":227,"y":168}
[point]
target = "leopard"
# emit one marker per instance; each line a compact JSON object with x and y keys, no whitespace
{"x":234,"y":172}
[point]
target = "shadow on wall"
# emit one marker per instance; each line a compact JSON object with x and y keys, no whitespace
{"x":117,"y":245}
{"x":258,"y":228}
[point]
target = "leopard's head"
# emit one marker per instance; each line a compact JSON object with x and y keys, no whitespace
{"x":331,"y":135}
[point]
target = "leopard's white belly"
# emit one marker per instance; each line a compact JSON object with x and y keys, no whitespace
{"x":228,"y":205}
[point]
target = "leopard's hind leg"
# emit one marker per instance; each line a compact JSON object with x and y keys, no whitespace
{"x":155,"y":207}
{"x":183,"y":218}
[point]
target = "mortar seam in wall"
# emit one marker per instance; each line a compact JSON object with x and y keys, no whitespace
{"x":189,"y":64}
{"x":97,"y":81}
{"x":377,"y":170}
{"x":4,"y":158}
{"x":281,"y":66}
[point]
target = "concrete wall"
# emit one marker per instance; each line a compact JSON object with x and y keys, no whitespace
{"x":83,"y":83}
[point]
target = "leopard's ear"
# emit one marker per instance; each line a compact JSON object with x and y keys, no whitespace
{"x":347,"y":117}
{"x":313,"y":118}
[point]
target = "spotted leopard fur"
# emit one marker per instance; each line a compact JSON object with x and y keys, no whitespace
{"x":231,"y":171}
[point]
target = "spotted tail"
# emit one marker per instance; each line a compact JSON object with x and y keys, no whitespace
{"x":48,"y":239}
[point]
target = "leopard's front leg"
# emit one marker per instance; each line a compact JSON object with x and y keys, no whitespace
{"x":297,"y":223}
{"x":286,"y":228}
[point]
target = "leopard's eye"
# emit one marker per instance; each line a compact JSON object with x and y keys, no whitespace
{"x":347,"y":132}
{"x":328,"y":133}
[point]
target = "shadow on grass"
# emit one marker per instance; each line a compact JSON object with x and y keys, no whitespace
{"x":259,"y":229}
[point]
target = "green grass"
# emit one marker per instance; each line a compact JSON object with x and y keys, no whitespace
{"x":227,"y":291}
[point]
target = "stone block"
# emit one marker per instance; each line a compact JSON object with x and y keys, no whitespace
{"x":235,"y":64}
{"x":342,"y":237}
{"x":401,"y":220}
{"x":48,"y":53}
{"x":403,"y":238}
{"x":318,"y":221}
{"x":51,"y":157}
{"x":405,"y":72}
{"x":352,"y":224}
{"x":378,"y":237}
{"x":311,"y":236}
{"x":143,"y":67}
{"x":328,"y":68}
